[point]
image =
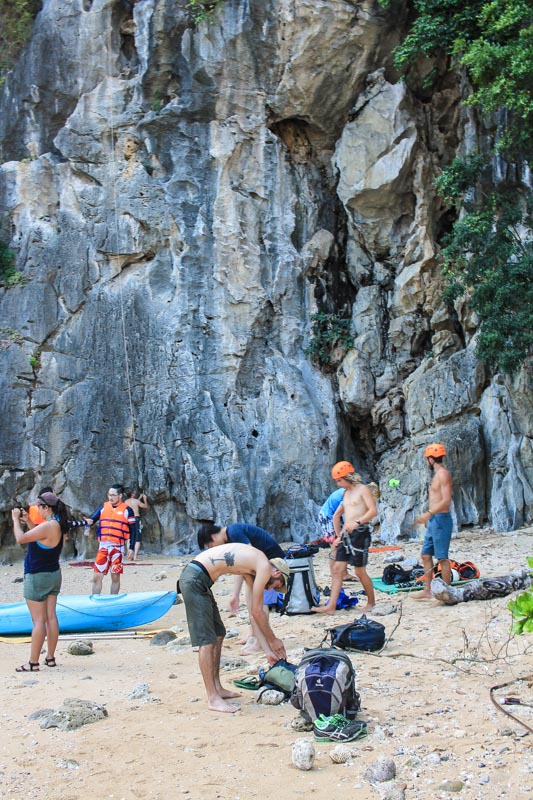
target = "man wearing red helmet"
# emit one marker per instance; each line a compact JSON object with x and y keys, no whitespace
{"x":353,"y":538}
{"x":438,"y":519}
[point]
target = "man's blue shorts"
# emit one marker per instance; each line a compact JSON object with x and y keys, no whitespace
{"x":438,"y":535}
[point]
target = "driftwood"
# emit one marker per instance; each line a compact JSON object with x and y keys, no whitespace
{"x":481,"y":589}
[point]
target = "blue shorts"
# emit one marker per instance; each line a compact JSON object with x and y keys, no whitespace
{"x":438,"y":535}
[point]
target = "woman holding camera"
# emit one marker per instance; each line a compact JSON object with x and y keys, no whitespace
{"x":42,"y":574}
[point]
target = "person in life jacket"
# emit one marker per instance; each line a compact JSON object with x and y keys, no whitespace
{"x":115,"y":519}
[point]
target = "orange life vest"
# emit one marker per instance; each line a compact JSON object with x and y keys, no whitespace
{"x":114,"y":524}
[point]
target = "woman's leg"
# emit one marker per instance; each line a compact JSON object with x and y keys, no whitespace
{"x":52,"y":626}
{"x":38,"y":615}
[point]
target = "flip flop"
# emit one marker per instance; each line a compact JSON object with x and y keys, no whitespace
{"x":248,"y":683}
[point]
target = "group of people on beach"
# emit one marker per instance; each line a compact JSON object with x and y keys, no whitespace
{"x":245,"y":551}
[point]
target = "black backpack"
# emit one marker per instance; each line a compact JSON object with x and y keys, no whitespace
{"x":325,"y":684}
{"x":394,"y":574}
{"x":361,"y":634}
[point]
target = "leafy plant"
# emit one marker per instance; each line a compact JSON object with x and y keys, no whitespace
{"x":11,"y":334}
{"x":488,"y":258}
{"x":16,"y":22}
{"x":522,"y":610}
{"x":493,"y":41}
{"x":329,"y":333}
{"x":9,"y":276}
{"x":201,"y":9}
{"x":35,"y":360}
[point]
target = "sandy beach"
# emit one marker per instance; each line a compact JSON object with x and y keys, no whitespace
{"x":425,"y":698}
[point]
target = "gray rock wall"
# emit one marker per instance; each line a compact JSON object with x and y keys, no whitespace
{"x":181,"y":199}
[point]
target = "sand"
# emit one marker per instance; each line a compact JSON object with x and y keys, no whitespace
{"x":425,"y":698}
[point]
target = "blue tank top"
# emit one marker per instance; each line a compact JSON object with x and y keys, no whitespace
{"x":41,"y":558}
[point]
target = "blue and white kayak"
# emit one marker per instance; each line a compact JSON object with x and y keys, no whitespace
{"x":92,"y":613}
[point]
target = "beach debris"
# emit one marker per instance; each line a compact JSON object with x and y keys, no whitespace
{"x":162,"y":638}
{"x":228,"y":664}
{"x":142,"y":692}
{"x":160,"y":576}
{"x":73,"y":714}
{"x":393,"y":791}
{"x":68,"y":763}
{"x":384,"y":609}
{"x":301,"y":724}
{"x":451,"y":786}
{"x":232,"y":633}
{"x":18,"y":580}
{"x":269,"y":697}
{"x":139,"y":692}
{"x":393,"y":558}
{"x":382,"y":770}
{"x":303,"y":754}
{"x":80,"y":648}
{"x":340,"y":754}
{"x":179,"y":645}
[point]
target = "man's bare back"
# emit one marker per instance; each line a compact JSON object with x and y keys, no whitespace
{"x":235,"y":559}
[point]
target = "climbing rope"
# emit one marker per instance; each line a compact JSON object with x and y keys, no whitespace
{"x":121,"y":297}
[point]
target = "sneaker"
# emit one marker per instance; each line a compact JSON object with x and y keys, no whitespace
{"x":323,"y":723}
{"x":354,"y":729}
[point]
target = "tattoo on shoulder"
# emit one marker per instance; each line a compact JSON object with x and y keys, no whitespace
{"x":229,"y":558}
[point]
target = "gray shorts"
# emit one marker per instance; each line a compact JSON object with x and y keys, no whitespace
{"x":203,"y":617}
{"x":38,"y":585}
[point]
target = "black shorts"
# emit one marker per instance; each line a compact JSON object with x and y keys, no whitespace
{"x":355,"y":551}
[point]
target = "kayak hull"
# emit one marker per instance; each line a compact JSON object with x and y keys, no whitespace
{"x":92,"y":613}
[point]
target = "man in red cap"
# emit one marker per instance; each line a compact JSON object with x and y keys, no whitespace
{"x":438,"y":520}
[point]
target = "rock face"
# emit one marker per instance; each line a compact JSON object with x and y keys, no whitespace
{"x":181,"y":198}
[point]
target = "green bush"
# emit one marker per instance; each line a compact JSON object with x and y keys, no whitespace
{"x":16,"y":22}
{"x":522,"y":610}
{"x":488,"y":258}
{"x":201,"y":9}
{"x":329,"y":333}
{"x":9,"y":276}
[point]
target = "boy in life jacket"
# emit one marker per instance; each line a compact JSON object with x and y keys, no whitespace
{"x":115,"y":518}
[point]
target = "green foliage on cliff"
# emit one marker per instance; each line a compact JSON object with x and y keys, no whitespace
{"x":330,"y":339}
{"x":9,"y":276}
{"x":201,"y":9}
{"x":16,"y":22}
{"x":488,"y":255}
{"x":488,"y":258}
{"x":493,"y":42}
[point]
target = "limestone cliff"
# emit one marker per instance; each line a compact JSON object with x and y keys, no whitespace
{"x":181,"y":199}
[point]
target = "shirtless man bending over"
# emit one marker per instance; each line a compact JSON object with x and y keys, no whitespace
{"x":438,"y":519}
{"x":352,"y":541}
{"x":206,"y":628}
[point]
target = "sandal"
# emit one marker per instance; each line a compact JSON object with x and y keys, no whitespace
{"x":34,"y":667}
{"x":50,"y":662}
{"x":249,"y":682}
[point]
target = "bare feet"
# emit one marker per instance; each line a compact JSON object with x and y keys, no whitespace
{"x":368,"y":608}
{"x":423,"y":596}
{"x":227,"y":694}
{"x":252,"y":647}
{"x":244,"y":639}
{"x":324,"y":610}
{"x":219,"y":704}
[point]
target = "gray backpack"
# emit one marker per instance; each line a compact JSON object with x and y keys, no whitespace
{"x":324,"y":683}
{"x":302,"y":592}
